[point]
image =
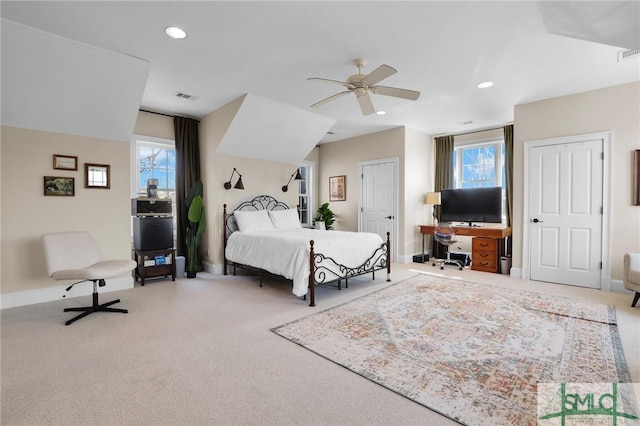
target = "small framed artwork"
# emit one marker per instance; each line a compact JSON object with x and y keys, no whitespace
{"x":636,"y":177}
{"x":59,"y":186}
{"x":338,"y":188}
{"x":97,"y":176}
{"x":65,"y":162}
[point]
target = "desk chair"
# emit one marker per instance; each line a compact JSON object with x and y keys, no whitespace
{"x":445,"y":235}
{"x":631,"y":275}
{"x":75,"y":256}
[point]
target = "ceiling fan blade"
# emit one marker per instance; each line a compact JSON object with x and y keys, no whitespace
{"x":330,"y":98}
{"x":379,"y":74}
{"x":396,"y":92}
{"x":365,"y":104}
{"x":341,"y":83}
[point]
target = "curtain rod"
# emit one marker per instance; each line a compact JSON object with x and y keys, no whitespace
{"x":166,"y":115}
{"x":474,"y":131}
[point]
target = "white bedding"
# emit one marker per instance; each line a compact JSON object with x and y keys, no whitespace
{"x":285,"y":252}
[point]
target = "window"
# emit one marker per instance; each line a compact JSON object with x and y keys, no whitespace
{"x":479,"y":165}
{"x":305,"y":194}
{"x":156,"y":161}
{"x":154,"y":158}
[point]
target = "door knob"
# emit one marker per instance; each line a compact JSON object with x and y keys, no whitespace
{"x":536,"y":220}
{"x":388,"y":217}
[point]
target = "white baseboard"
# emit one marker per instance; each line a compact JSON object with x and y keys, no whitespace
{"x":49,"y":294}
{"x":213,"y":268}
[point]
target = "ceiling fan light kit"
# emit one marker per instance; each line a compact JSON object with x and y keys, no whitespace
{"x":362,"y":85}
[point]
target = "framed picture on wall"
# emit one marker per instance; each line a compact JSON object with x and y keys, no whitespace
{"x":97,"y":176}
{"x":338,"y":188}
{"x":65,"y":162}
{"x":59,"y":186}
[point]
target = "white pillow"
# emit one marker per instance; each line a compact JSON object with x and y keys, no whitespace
{"x":254,"y":220}
{"x":285,"y":219}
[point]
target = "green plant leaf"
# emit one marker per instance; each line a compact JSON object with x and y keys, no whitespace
{"x":195,"y":209}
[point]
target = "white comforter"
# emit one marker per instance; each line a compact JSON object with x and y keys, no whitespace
{"x":286,"y":252}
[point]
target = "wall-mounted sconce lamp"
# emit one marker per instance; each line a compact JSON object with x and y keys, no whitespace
{"x":297,"y":177}
{"x":238,"y":185}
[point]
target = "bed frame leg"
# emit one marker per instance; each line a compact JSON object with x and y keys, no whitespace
{"x":388,"y":256}
{"x":312,"y":272}
{"x":346,"y":283}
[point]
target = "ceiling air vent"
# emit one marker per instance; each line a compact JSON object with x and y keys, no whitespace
{"x":625,"y":55}
{"x":185,"y":96}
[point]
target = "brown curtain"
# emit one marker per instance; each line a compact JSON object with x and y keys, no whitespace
{"x":187,"y":171}
{"x":508,"y":169}
{"x":443,"y":179}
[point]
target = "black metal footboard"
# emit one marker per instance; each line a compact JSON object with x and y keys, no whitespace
{"x":324,"y":269}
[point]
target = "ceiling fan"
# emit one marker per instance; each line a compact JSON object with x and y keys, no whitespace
{"x":362,"y":85}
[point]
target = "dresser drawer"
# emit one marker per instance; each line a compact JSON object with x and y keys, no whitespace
{"x":485,"y":244}
{"x":484,"y":254}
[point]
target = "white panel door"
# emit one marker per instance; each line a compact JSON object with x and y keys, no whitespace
{"x":565,"y":201}
{"x":378,"y":200}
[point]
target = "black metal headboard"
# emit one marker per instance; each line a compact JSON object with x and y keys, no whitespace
{"x":261,"y":202}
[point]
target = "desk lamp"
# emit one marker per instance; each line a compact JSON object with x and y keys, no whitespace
{"x":433,"y":198}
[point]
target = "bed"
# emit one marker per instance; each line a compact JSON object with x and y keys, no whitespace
{"x":264,"y":236}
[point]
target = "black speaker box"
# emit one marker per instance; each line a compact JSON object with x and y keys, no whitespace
{"x":150,"y":207}
{"x":152,"y":233}
{"x":419,"y":258}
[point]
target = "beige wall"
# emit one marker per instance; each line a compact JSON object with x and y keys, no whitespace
{"x":419,"y":174}
{"x":155,"y":125}
{"x":414,"y":152}
{"x":27,"y":156}
{"x":259,"y":178}
{"x":615,"y":109}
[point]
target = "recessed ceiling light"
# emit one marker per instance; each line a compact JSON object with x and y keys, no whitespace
{"x":175,"y":33}
{"x":381,"y":112}
{"x":485,"y":84}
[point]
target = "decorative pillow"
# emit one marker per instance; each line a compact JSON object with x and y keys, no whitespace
{"x":285,"y":219}
{"x":251,"y":221}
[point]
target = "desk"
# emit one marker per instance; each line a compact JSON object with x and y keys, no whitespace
{"x":487,"y":244}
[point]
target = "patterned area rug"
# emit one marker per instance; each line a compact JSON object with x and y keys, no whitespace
{"x":471,"y":352}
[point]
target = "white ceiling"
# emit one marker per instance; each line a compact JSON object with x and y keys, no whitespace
{"x":530,"y":50}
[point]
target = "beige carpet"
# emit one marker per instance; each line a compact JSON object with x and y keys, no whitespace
{"x":200,"y":352}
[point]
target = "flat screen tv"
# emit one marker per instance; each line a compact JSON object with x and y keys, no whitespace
{"x":471,"y":205}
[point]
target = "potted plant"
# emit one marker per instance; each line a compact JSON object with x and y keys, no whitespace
{"x":195,"y":226}
{"x":325,"y":215}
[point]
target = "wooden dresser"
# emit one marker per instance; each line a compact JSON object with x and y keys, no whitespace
{"x":484,"y":254}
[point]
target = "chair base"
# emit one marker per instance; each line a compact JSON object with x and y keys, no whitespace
{"x":96,"y":307}
{"x":449,"y":262}
{"x":635,"y":299}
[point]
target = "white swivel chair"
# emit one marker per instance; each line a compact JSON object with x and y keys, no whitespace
{"x":445,"y":235}
{"x":631,"y":275}
{"x":75,"y":256}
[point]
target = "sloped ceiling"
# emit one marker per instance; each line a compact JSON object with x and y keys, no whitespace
{"x":267,"y":130}
{"x":613,"y":23}
{"x":55,"y":84}
{"x":531,"y":50}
